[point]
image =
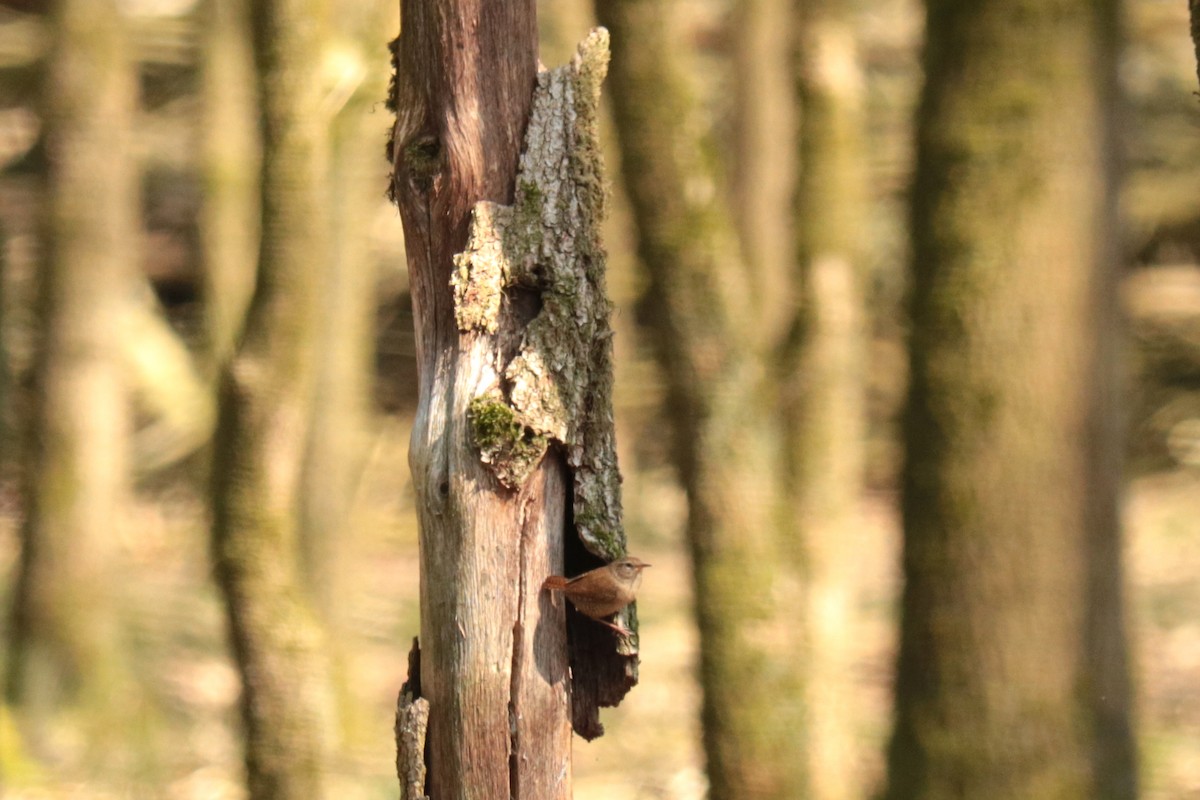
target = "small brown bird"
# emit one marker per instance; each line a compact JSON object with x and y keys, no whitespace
{"x":603,"y":591}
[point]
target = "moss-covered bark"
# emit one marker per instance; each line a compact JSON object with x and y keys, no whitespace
{"x":265,"y":411}
{"x":63,"y":650}
{"x":712,"y":353}
{"x":1012,"y":679}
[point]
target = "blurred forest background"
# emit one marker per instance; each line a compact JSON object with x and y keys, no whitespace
{"x":119,"y":678}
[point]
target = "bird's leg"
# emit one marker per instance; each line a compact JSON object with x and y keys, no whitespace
{"x":623,"y":631}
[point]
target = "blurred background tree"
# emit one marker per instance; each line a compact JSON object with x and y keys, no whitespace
{"x":823,"y":364}
{"x":759,"y":76}
{"x":229,"y":143}
{"x":710,"y":347}
{"x":266,"y":395}
{"x":78,"y":420}
{"x":1013,"y":674}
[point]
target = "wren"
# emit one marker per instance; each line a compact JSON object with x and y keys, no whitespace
{"x":603,"y":591}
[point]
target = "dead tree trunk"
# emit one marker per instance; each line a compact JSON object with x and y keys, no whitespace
{"x":514,"y":414}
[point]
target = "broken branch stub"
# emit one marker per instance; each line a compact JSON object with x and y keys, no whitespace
{"x":556,"y":383}
{"x":412,"y":721}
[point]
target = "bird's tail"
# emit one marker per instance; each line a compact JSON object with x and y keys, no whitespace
{"x":555,"y":583}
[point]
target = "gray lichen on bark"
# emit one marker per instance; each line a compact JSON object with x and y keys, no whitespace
{"x":559,"y":384}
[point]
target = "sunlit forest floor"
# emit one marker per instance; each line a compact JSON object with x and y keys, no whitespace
{"x":179,"y":738}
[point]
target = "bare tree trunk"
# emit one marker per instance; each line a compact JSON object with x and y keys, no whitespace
{"x":230,"y":217}
{"x":336,"y":451}
{"x":1108,"y":689}
{"x":337,"y":442}
{"x":1012,"y":679}
{"x":513,"y":348}
{"x":265,"y":414}
{"x":63,"y":630}
{"x":824,"y":361}
{"x":764,"y":153}
{"x":713,"y":354}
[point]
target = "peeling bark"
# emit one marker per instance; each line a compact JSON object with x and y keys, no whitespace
{"x":558,"y":386}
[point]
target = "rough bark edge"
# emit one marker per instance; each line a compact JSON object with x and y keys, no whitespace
{"x":412,"y":720}
{"x":392,"y":104}
{"x":558,"y":385}
{"x":1194,"y":11}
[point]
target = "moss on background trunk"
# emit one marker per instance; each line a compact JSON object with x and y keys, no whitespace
{"x":712,"y":351}
{"x":63,"y":654}
{"x":1012,"y":675}
{"x":265,"y":414}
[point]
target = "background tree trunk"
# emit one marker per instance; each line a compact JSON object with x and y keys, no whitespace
{"x":338,"y":439}
{"x":265,"y":414}
{"x":1108,"y":689}
{"x":824,"y":362}
{"x":764,"y":153}
{"x":63,"y":629}
{"x":712,"y":351}
{"x":1010,"y":525}
{"x":230,"y":216}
